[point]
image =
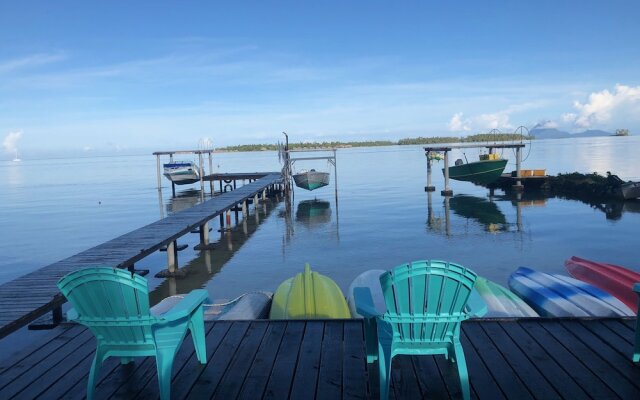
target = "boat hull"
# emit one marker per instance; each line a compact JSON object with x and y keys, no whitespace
{"x":614,"y":279}
{"x":308,"y":295}
{"x":630,"y":190}
{"x":181,"y":173}
{"x":563,"y":296}
{"x":501,"y":302}
{"x":479,"y":172}
{"x":311,"y":180}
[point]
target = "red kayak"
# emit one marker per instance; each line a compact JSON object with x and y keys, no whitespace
{"x":614,"y":279}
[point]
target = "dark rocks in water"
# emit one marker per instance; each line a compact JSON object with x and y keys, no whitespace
{"x":580,"y":185}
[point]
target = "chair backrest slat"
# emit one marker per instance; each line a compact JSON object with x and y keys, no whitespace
{"x":112,"y":302}
{"x":425,"y":299}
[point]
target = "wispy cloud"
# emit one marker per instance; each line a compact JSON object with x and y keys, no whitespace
{"x":29,"y":62}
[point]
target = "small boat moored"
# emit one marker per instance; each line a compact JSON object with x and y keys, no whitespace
{"x":311,"y":179}
{"x":487,"y":170}
{"x":308,"y":295}
{"x":181,"y":172}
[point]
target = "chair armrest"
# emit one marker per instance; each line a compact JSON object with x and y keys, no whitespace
{"x":364,"y":302}
{"x":476,"y":307}
{"x":187,"y":305}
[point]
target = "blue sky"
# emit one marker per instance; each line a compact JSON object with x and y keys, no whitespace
{"x":121,"y":76}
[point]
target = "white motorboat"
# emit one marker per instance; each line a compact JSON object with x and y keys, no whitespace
{"x":182,"y":172}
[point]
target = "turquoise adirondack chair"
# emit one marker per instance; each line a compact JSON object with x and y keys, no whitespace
{"x":114,"y":305}
{"x":636,"y":350}
{"x":426,"y":303}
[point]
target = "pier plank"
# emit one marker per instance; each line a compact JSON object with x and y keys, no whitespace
{"x":548,"y":358}
{"x":570,"y":363}
{"x":27,"y":298}
{"x":552,"y":370}
{"x":532,"y":378}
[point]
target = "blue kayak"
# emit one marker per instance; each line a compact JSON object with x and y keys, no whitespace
{"x":563,"y":296}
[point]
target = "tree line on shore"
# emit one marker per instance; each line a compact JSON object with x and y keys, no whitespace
{"x":483,"y":137}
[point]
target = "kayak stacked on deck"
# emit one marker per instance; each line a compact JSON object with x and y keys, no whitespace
{"x":308,"y":295}
{"x":562,"y":296}
{"x":501,"y":302}
{"x":614,"y":279}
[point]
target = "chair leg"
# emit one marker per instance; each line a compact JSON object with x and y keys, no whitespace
{"x":164,"y":364}
{"x":384,"y":366}
{"x":371,"y":339}
{"x":463,"y":374}
{"x":98,"y":358}
{"x":196,"y":325}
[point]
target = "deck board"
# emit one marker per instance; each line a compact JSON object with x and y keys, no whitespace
{"x":538,"y":358}
{"x":25,"y":299}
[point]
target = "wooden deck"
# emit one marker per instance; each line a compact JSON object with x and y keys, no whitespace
{"x":25,"y":299}
{"x":513,"y":359}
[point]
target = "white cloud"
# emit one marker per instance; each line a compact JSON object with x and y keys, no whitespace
{"x":483,"y":122}
{"x":457,"y":124}
{"x":10,"y":142}
{"x":606,"y":107}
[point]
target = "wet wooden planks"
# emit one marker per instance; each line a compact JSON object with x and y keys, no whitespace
{"x":528,"y":358}
{"x":25,"y":299}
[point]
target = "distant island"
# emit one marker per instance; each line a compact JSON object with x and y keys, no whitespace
{"x":537,"y":132}
{"x":484,"y":137}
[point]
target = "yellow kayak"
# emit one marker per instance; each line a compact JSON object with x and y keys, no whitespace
{"x":308,"y":295}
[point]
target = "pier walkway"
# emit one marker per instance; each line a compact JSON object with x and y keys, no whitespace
{"x":507,"y":358}
{"x":27,"y":298}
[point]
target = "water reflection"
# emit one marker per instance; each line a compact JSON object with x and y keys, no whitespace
{"x":207,"y":264}
{"x":313,"y":212}
{"x":185,"y":199}
{"x":481,"y":210}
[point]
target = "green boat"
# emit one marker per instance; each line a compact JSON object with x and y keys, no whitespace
{"x":482,"y":172}
{"x":309,"y":295}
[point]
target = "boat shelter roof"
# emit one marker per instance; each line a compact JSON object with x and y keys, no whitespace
{"x":441,"y":147}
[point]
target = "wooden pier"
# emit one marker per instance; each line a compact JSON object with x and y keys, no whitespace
{"x":533,"y":358}
{"x":27,"y":298}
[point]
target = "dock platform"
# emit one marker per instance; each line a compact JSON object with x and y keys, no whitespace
{"x":325,"y":359}
{"x":27,"y":298}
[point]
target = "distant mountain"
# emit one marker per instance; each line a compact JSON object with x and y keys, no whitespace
{"x":551,"y":133}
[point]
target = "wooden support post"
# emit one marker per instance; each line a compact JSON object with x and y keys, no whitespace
{"x":173,"y":189}
{"x":255,"y":201}
{"x":264,"y":195}
{"x":158,"y":168}
{"x":172,"y":257}
{"x":429,"y":187}
{"x":221,"y":222}
{"x":201,"y":170}
{"x":244,"y":208}
{"x":447,"y":191}
{"x":204,"y":238}
{"x":211,"y":185}
{"x":518,"y":186}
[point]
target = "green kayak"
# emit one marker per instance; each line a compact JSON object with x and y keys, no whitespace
{"x":308,"y":295}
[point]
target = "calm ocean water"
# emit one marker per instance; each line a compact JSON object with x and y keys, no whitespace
{"x":52,"y":209}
